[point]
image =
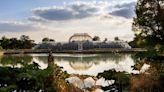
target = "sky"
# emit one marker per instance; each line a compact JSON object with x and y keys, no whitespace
{"x":59,"y":19}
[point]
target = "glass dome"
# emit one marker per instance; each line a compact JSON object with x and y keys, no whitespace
{"x":79,"y":37}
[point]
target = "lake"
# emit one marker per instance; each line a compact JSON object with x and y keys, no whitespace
{"x":105,"y":67}
{"x":83,"y":64}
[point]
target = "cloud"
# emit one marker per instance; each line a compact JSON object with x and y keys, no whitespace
{"x":124,"y":10}
{"x":18,"y":26}
{"x":84,"y":10}
{"x":61,"y":31}
{"x":60,"y":22}
{"x":68,"y":12}
{"x":36,"y":19}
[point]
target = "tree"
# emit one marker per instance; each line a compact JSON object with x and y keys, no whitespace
{"x":96,"y":38}
{"x":24,"y":38}
{"x":13,"y":43}
{"x":46,"y":39}
{"x":26,"y":42}
{"x":105,"y":40}
{"x":148,"y":24}
{"x":116,"y":39}
{"x":51,"y":40}
{"x":5,"y":42}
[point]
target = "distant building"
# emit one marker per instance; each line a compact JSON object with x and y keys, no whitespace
{"x":81,"y":41}
{"x":80,"y":37}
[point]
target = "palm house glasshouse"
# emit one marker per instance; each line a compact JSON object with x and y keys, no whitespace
{"x":81,"y":41}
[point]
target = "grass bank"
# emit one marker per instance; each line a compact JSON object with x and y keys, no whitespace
{"x":91,"y":51}
{"x":105,"y":50}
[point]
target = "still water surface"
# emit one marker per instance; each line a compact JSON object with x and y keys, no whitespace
{"x":83,"y":64}
{"x":107,"y":72}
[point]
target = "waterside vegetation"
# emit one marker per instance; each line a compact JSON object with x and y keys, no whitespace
{"x":29,"y":77}
{"x":148,"y":26}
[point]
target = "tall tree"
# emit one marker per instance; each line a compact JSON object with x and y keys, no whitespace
{"x":26,"y":42}
{"x":148,"y":24}
{"x":46,"y":39}
{"x":24,"y":38}
{"x":96,"y":38}
{"x":5,"y":42}
{"x":13,"y":43}
{"x":105,"y":40}
{"x":116,"y":39}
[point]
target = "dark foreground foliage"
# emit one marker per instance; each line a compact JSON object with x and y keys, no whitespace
{"x":29,"y":77}
{"x":150,"y":80}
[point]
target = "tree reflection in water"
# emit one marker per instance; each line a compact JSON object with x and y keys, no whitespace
{"x":15,"y":60}
{"x":21,"y":73}
{"x":29,"y":78}
{"x":91,"y":64}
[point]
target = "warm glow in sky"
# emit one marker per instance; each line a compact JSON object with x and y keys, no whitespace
{"x":59,"y":19}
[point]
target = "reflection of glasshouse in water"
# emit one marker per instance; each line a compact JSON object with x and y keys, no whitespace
{"x":89,"y":64}
{"x":82,"y":42}
{"x":106,"y":67}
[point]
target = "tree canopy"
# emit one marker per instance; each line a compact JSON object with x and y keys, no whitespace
{"x":148,"y":24}
{"x":96,"y":38}
{"x":46,"y":39}
{"x":117,"y":39}
{"x":13,"y":43}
